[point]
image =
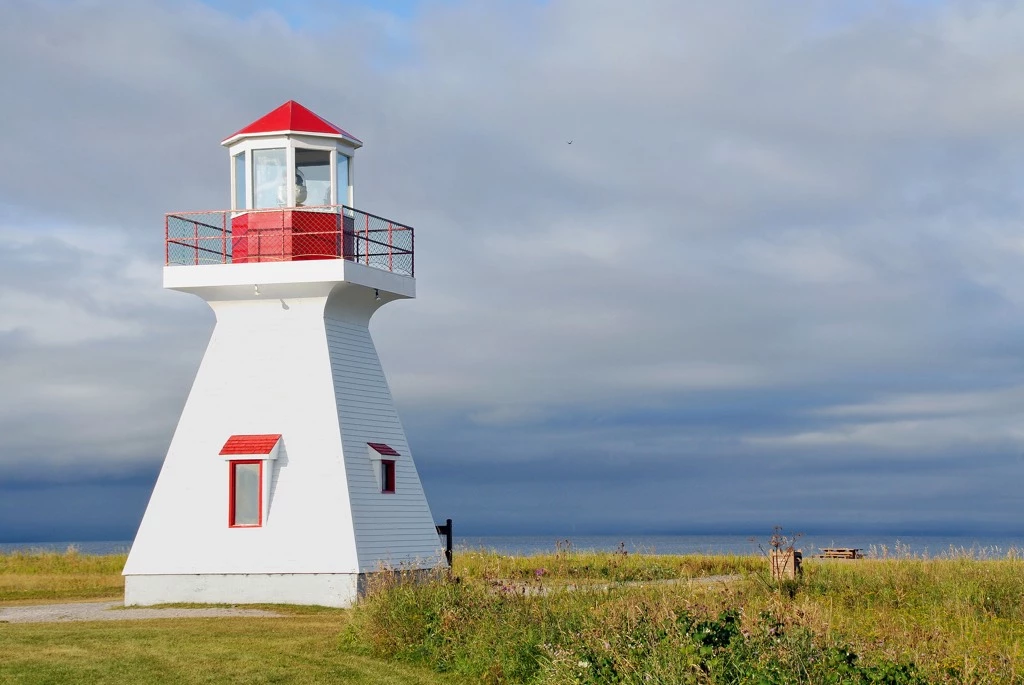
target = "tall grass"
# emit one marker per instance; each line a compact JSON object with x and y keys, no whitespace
{"x":46,"y":575}
{"x":571,"y":565}
{"x":940,"y":620}
{"x":962,"y":617}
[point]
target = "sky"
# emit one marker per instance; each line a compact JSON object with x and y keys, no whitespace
{"x":776,"y":279}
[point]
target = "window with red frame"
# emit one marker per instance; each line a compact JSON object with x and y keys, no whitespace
{"x":387,"y":475}
{"x":245,"y":494}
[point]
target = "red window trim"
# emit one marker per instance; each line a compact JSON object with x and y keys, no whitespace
{"x":231,"y":493}
{"x":387,"y":469}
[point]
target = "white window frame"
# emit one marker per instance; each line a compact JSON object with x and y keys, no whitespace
{"x":290,"y":142}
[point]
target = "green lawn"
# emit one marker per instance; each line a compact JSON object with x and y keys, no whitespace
{"x":299,"y":648}
{"x":302,"y":647}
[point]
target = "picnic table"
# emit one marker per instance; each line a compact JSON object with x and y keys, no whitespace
{"x":840,"y":553}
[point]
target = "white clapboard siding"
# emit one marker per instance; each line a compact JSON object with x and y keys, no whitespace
{"x":391,"y":530}
{"x":266,"y":370}
{"x":295,"y":358}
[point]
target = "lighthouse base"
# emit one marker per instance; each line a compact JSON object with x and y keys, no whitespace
{"x":322,"y":589}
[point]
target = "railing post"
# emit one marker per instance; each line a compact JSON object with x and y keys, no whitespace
{"x":195,"y":244}
{"x":224,"y":238}
{"x":412,"y":250}
{"x":366,"y":239}
{"x":391,"y":265}
{"x":167,"y":240}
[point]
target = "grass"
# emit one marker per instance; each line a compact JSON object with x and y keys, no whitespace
{"x":570,"y":565}
{"x":963,"y":618}
{"x":41,"y":576}
{"x":897,"y":620}
{"x":299,"y":648}
{"x":901,"y":619}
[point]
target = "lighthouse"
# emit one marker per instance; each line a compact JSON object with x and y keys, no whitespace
{"x":289,"y":478}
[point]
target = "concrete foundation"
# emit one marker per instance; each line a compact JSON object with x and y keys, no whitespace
{"x":322,"y":589}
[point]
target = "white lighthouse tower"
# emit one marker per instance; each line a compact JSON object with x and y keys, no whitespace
{"x":289,"y":476}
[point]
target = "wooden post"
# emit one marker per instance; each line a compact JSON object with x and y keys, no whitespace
{"x":445,"y":529}
{"x":785,"y":564}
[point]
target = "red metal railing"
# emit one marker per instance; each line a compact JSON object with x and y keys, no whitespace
{"x":288,"y":234}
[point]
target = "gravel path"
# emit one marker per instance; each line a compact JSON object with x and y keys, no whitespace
{"x":112,"y":611}
{"x":541,"y":589}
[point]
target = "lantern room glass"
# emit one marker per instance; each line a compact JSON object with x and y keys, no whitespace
{"x":342,"y":194}
{"x":240,"y":199}
{"x":313,"y":172}
{"x":268,"y":178}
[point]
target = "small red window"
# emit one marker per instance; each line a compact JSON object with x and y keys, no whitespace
{"x":387,"y":475}
{"x":245,"y":494}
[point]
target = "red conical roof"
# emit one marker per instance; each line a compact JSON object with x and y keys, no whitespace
{"x":291,"y":117}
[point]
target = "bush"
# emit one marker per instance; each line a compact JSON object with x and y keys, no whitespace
{"x":493,"y":632}
{"x":503,"y":633}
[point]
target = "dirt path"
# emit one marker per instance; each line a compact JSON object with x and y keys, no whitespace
{"x":526,"y":588}
{"x":114,"y":611}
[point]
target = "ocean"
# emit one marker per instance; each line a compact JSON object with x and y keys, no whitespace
{"x":917,"y":545}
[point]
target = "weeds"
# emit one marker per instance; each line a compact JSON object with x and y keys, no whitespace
{"x":902,"y":621}
{"x":625,"y":635}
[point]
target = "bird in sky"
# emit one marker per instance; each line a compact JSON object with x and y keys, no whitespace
{"x":568,"y":142}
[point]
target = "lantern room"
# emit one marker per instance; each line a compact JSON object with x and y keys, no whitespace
{"x":291,"y":200}
{"x":291,"y":177}
{"x":291,"y":143}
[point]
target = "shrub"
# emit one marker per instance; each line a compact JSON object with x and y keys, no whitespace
{"x":504,"y":633}
{"x":494,"y":632}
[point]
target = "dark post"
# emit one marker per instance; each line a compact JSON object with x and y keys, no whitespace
{"x":446,"y":531}
{"x":448,"y":543}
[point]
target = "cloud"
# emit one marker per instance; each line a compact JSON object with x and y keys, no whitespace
{"x":778,"y":231}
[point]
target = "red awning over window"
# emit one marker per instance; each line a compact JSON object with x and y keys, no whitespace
{"x":384,"y":449}
{"x":251,"y":444}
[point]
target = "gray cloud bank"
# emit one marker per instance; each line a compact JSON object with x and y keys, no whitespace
{"x":776,"y":278}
